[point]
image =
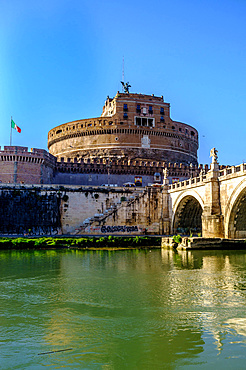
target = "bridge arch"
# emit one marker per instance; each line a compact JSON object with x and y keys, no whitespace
{"x":235,"y":213}
{"x":187,"y":213}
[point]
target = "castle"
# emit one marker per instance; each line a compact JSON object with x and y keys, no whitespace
{"x":133,"y":140}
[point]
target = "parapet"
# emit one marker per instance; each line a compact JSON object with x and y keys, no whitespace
{"x":22,"y":154}
{"x":19,"y":165}
{"x":121,"y":166}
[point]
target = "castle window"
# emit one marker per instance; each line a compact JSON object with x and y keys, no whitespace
{"x":58,"y":131}
{"x":162,"y":119}
{"x":125,"y":116}
{"x":162,"y":110}
{"x":73,"y":127}
{"x":125,"y":108}
{"x":144,"y":121}
{"x":150,"y":109}
{"x":192,"y":133}
{"x":180,"y":129}
{"x":81,"y":126}
{"x":173,"y":127}
{"x":138,"y":121}
{"x":138,"y":110}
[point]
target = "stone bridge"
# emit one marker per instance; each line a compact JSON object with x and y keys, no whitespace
{"x":213,"y":204}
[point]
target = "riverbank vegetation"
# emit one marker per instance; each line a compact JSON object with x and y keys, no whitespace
{"x":105,"y":242}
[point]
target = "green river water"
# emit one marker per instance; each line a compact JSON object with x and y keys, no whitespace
{"x":131,"y":309}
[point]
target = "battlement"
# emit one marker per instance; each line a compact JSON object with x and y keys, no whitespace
{"x":19,"y":165}
{"x":127,"y":166}
{"x":21,"y":153}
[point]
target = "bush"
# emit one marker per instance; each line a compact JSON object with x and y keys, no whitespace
{"x":84,"y":242}
{"x":177,"y":239}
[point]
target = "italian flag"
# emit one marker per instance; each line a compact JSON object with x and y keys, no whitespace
{"x":14,"y":125}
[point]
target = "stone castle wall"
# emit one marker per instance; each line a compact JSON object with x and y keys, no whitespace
{"x":18,"y":165}
{"x":102,"y":171}
{"x":29,"y":209}
{"x":126,"y":131}
{"x":56,"y":210}
{"x":134,"y":136}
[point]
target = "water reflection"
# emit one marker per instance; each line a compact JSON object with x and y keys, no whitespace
{"x":122,"y":309}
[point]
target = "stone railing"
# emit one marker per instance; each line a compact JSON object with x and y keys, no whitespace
{"x":233,"y":169}
{"x":196,"y":181}
{"x":193,"y":181}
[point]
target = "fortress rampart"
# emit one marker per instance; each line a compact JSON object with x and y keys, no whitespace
{"x":18,"y":165}
{"x":133,"y":140}
{"x":132,"y":126}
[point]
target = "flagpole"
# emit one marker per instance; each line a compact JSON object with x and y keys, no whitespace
{"x":11,"y":131}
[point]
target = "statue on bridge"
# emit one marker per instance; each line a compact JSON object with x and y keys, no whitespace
{"x":213,"y":154}
{"x":165,"y":173}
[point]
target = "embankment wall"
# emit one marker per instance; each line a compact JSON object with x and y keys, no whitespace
{"x":75,"y":210}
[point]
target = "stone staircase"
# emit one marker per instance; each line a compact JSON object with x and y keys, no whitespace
{"x":100,"y":218}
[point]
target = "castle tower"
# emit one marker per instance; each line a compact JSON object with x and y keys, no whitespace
{"x":132,"y":126}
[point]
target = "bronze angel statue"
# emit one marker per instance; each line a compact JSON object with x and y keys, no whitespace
{"x":126,"y":86}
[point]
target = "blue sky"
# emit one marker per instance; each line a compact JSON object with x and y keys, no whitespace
{"x":60,"y":60}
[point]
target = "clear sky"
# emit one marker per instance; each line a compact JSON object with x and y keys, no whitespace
{"x":60,"y":59}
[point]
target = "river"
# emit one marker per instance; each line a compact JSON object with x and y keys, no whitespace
{"x":130,"y":309}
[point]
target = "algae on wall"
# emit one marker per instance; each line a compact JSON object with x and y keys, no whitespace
{"x":29,"y":211}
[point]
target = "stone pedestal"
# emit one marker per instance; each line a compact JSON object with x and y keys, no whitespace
{"x":212,"y":219}
{"x":165,"y":219}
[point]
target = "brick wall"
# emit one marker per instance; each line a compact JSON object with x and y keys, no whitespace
{"x":18,"y":165}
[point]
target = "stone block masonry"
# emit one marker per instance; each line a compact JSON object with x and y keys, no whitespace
{"x":29,"y":210}
{"x":58,"y":210}
{"x":18,"y":165}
